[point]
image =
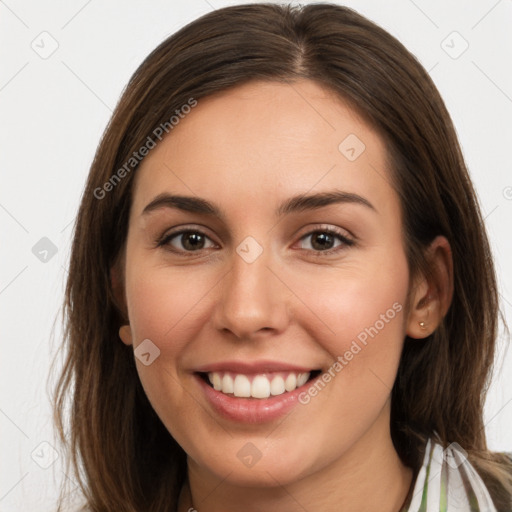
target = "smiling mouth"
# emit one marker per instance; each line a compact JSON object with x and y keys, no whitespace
{"x":260,"y":385}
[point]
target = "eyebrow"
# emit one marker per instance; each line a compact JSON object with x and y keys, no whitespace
{"x":299,"y":203}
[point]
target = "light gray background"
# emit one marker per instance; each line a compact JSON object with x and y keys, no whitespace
{"x":53,"y":112}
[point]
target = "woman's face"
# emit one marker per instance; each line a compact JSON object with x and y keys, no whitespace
{"x":292,"y":266}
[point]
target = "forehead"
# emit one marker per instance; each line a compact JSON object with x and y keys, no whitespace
{"x":262,"y":139}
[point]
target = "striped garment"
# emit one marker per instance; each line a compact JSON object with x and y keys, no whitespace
{"x":447,"y":482}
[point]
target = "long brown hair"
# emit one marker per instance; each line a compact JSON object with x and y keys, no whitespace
{"x":121,"y":453}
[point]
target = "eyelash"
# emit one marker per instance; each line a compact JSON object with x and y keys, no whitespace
{"x":164,"y":241}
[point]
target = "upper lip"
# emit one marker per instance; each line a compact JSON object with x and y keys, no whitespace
{"x":252,"y":367}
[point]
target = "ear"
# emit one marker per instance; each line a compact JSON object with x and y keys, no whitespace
{"x":432,"y":294}
{"x":125,"y":333}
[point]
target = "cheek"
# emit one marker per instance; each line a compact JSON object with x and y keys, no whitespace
{"x":361,"y":312}
{"x":168,"y":308}
{"x":161,"y":302}
{"x":362,"y":328}
{"x":365,"y":312}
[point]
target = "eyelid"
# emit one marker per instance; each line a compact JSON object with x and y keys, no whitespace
{"x":330,"y":228}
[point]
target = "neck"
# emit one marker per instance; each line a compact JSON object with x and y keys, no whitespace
{"x":369,"y":476}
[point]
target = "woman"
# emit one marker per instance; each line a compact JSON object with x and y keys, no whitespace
{"x":281,"y":294}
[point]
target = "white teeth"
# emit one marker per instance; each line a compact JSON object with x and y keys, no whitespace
{"x":216,"y":381}
{"x":227,"y":384}
{"x":262,"y":386}
{"x":242,"y":386}
{"x":302,"y":379}
{"x":277,"y":386}
{"x":291,"y":382}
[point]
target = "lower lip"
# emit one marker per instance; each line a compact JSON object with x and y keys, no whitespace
{"x":252,"y":410}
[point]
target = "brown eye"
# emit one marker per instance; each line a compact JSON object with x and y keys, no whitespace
{"x":322,"y":241}
{"x":192,"y":241}
{"x":326,"y":241}
{"x":187,"y":241}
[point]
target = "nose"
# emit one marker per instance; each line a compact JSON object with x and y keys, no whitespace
{"x":253,"y":300}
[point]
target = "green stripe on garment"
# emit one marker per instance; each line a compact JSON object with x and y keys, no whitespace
{"x":443,"y":498}
{"x":470,"y":492}
{"x":423,"y":506}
